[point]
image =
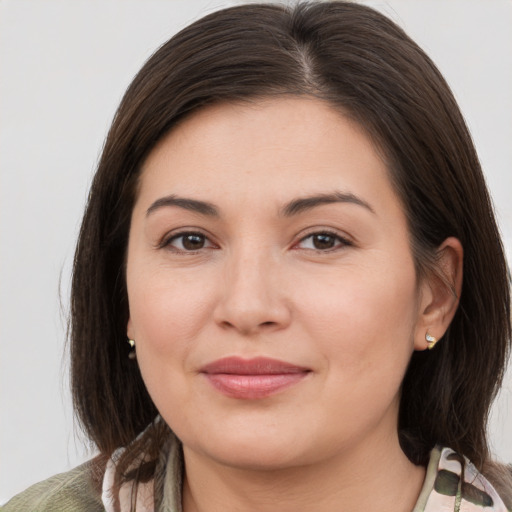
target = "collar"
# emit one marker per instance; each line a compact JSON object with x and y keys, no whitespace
{"x":452,"y":483}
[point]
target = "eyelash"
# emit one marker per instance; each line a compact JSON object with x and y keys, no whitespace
{"x":341,"y":241}
{"x":167,"y":243}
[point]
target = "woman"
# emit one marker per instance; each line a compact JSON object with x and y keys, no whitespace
{"x":287,"y":215}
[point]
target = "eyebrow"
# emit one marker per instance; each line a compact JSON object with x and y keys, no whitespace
{"x":193,"y":205}
{"x":294,"y":207}
{"x":307,"y":203}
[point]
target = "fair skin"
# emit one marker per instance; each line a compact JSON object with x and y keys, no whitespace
{"x":245,"y":267}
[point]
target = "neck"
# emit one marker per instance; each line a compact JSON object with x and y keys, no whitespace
{"x":361,"y":478}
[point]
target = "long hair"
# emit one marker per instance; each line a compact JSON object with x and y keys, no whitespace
{"x":367,"y":68}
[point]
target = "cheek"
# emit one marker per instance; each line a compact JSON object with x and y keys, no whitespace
{"x":363,"y":319}
{"x":166,"y":316}
{"x":167,"y":311}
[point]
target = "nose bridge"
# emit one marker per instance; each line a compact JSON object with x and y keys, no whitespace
{"x":250,"y":273}
{"x":252,"y":298}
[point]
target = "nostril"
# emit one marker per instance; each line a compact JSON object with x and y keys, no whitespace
{"x":229,"y":325}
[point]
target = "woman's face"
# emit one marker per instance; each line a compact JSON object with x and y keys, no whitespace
{"x":272,"y":292}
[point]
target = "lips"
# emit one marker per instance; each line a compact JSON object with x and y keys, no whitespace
{"x":252,"y":379}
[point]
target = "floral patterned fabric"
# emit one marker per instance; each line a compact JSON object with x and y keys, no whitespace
{"x":452,"y":484}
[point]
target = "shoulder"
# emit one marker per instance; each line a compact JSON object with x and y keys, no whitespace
{"x":73,"y":490}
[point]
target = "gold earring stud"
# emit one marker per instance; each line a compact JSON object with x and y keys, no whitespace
{"x":431,"y":341}
{"x":132,"y":354}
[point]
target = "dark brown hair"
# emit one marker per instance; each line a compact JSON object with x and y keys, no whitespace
{"x":365,"y":66}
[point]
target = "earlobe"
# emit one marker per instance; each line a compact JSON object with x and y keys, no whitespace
{"x":440,"y":295}
{"x":129,"y":329}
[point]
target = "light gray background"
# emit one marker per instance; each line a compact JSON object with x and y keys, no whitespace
{"x":63,"y":68}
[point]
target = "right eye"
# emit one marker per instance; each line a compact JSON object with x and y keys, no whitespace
{"x":188,"y":242}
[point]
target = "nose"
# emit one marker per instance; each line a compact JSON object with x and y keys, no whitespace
{"x":252,"y":299}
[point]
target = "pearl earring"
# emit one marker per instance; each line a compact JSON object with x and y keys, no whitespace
{"x":431,"y":341}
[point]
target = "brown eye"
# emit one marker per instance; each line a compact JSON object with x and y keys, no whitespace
{"x":188,"y":242}
{"x":323,"y":242}
{"x":193,"y":242}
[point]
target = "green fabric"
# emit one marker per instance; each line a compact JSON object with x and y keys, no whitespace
{"x":65,"y":492}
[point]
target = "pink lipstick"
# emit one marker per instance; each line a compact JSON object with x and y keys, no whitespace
{"x":251,"y":379}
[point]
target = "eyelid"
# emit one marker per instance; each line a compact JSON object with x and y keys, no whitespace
{"x":343,"y":240}
{"x":166,"y":240}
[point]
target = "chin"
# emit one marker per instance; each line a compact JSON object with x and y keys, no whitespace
{"x":256,"y":457}
{"x":255,"y":448}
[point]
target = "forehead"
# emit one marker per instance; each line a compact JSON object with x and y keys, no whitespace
{"x":266,"y":150}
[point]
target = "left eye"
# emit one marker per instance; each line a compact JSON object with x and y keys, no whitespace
{"x":322,"y":242}
{"x":189,"y":242}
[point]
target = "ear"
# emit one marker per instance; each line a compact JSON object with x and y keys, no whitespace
{"x":440,"y":293}
{"x":129,"y":329}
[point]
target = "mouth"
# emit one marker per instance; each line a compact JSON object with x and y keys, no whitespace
{"x":252,"y":379}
